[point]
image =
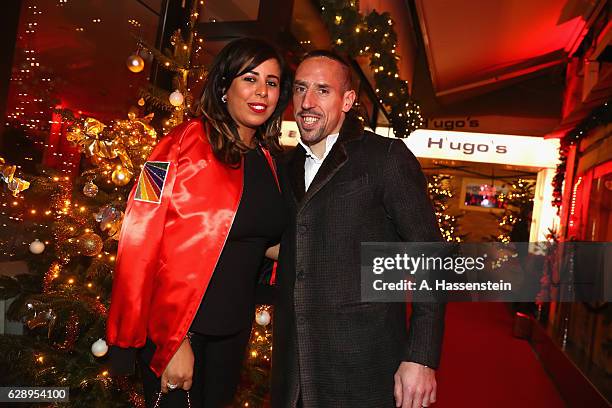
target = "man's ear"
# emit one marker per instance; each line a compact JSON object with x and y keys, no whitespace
{"x":348,"y":100}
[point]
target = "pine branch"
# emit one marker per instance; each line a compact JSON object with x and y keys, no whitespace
{"x":157,"y":97}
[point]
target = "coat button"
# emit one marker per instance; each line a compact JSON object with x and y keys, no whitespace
{"x":302,"y":229}
{"x":301,"y":320}
{"x":300,"y":274}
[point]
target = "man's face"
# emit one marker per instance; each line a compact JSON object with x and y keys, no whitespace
{"x":320,"y":99}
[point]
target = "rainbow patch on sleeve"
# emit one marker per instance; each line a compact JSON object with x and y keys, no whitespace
{"x":152,"y":181}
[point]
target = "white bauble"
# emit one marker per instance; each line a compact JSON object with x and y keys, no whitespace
{"x":262,"y":318}
{"x":176,"y":98}
{"x":99,"y":348}
{"x":37,"y":247}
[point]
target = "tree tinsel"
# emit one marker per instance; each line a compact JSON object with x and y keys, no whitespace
{"x":374,"y":36}
{"x":598,"y":117}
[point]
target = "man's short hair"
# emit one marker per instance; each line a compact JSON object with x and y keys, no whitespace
{"x":346,"y":68}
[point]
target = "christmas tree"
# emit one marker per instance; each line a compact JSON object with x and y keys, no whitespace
{"x":254,"y":389}
{"x":180,"y":61}
{"x":514,"y":222}
{"x":73,"y":227}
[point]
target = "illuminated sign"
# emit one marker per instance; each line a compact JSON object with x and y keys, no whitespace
{"x":483,"y":147}
{"x":512,"y":150}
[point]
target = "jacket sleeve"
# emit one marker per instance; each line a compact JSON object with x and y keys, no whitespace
{"x":407,"y":203}
{"x":121,"y":361}
{"x":139,"y":243}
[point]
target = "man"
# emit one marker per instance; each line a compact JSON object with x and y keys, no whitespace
{"x":345,"y":186}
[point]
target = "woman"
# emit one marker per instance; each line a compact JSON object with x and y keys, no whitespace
{"x":197,"y":225}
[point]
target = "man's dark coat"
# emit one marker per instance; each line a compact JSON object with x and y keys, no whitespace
{"x":330,"y":349}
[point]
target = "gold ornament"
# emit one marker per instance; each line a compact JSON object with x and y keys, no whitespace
{"x":141,"y":102}
{"x":7,"y":174}
{"x":135,"y":63}
{"x":117,"y":141}
{"x":121,"y":177}
{"x":90,"y":244}
{"x":132,"y":113}
{"x":90,"y":189}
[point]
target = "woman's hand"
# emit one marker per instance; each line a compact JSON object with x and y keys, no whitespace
{"x":180,"y":369}
{"x":272,"y":252}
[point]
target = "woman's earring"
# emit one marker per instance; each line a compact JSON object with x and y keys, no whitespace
{"x":224,"y":98}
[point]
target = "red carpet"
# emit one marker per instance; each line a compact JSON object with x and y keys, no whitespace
{"x":483,"y":366}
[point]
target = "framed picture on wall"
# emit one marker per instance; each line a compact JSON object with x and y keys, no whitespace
{"x":482,"y":194}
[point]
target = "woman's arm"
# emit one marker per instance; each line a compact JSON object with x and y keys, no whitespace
{"x":272,"y":252}
{"x":139,"y":243}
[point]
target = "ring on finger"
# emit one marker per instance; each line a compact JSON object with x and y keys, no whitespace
{"x":171,"y":386}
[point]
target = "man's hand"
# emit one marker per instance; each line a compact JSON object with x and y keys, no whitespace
{"x":415,"y":385}
{"x":180,"y":369}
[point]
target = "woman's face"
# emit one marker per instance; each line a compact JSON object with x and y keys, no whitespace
{"x":252,"y":97}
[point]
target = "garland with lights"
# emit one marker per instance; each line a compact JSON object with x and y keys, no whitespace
{"x":598,"y":117}
{"x":374,"y":36}
{"x":518,"y":203}
{"x":440,"y":191}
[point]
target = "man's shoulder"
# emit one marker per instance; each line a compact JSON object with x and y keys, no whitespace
{"x":376,"y":144}
{"x":377,"y":147}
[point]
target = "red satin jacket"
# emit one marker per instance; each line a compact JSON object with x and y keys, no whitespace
{"x":178,"y":217}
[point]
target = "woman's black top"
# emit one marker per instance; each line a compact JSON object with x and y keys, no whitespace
{"x":228,"y":305}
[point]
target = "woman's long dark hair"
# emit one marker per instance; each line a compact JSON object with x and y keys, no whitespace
{"x":235,"y":59}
